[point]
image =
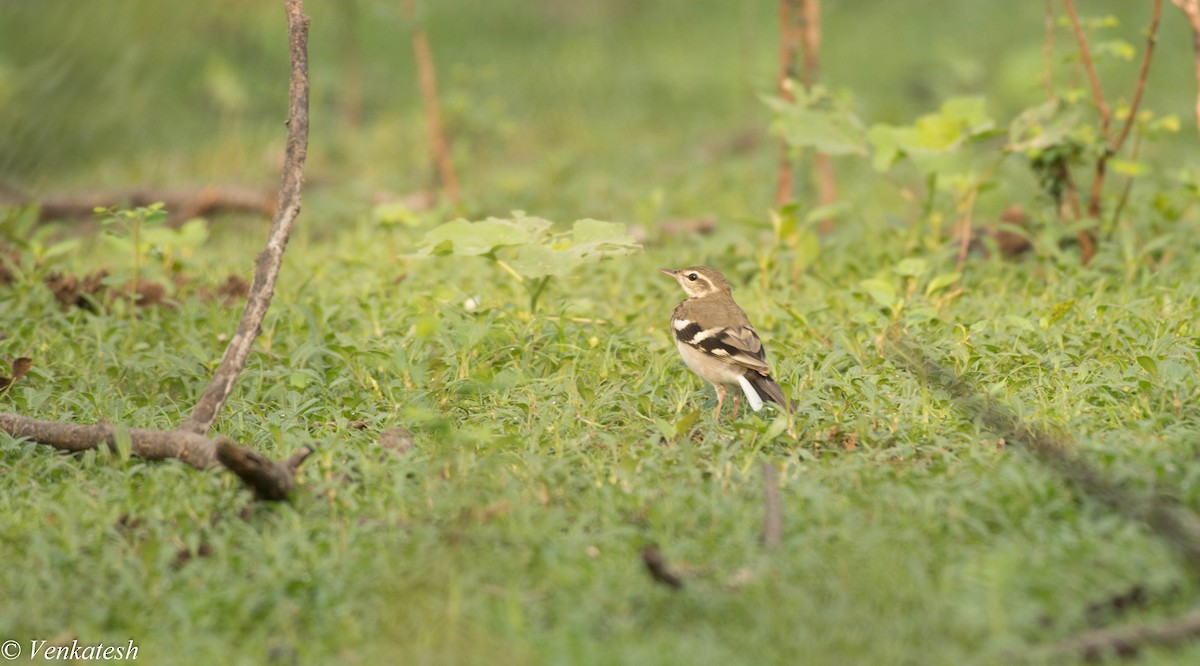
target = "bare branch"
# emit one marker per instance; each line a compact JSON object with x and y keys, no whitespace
{"x":659,"y":570}
{"x":183,"y":203}
{"x":1143,"y":72}
{"x":193,"y":449}
{"x":433,"y":115}
{"x":1176,"y":524}
{"x":964,"y":227}
{"x":271,"y":480}
{"x":1048,"y":51}
{"x":791,"y":35}
{"x":1089,"y":66}
{"x":1126,"y":641}
{"x":1191,"y":9}
{"x":271,"y":258}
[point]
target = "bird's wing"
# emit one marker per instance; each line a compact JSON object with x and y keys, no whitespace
{"x":734,"y":342}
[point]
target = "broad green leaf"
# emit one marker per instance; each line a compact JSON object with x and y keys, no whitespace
{"x":465,"y":238}
{"x":594,"y":239}
{"x":941,"y":282}
{"x":885,"y":146}
{"x":829,"y":131}
{"x":535,"y":261}
{"x":1148,"y":364}
{"x":1043,"y":126}
{"x":911,"y":267}
{"x":881,"y":291}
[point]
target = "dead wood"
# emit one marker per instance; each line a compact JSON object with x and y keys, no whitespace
{"x":271,"y":258}
{"x":1126,"y":641}
{"x":658,"y":568}
{"x":270,"y":480}
{"x":181,"y":203}
{"x":427,"y":75}
{"x":1177,"y":525}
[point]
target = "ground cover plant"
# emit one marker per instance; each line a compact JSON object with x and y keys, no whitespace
{"x":491,"y":463}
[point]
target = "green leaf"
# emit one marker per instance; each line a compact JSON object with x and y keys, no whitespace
{"x":535,"y":261}
{"x":941,"y":282}
{"x":881,"y":291}
{"x":123,"y":442}
{"x":665,"y":429}
{"x":885,"y":146}
{"x":1118,"y":48}
{"x":1148,"y":364}
{"x":464,"y":238}
{"x":1042,"y":127}
{"x":829,"y":131}
{"x":1127,"y":167}
{"x":1060,"y":310}
{"x":911,"y":267}
{"x":831,"y":211}
{"x":298,"y":380}
{"x":592,"y":239}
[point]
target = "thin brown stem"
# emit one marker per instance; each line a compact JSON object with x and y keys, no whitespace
{"x":1143,"y":72}
{"x":1124,"y":200}
{"x":1191,"y":9}
{"x":1048,"y":52}
{"x":790,"y":38}
{"x":811,"y":72}
{"x":271,"y":258}
{"x":964,"y":227}
{"x":1089,"y":66}
{"x":427,"y":75}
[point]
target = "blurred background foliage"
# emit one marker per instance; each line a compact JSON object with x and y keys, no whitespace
{"x":617,"y":109}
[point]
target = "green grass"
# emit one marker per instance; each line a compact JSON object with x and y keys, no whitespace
{"x":551,"y":448}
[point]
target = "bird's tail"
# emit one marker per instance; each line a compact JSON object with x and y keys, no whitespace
{"x":759,"y":388}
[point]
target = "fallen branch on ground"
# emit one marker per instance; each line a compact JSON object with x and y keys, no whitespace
{"x":182,"y":203}
{"x":270,"y":480}
{"x":1176,"y":524}
{"x":1126,"y":641}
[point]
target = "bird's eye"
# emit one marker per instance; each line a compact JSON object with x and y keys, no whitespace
{"x":692,"y":276}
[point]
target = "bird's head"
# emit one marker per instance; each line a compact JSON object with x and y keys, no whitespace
{"x":699,"y":281}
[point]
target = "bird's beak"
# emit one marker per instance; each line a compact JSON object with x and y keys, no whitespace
{"x":669,"y":271}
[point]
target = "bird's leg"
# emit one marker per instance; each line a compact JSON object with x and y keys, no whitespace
{"x":720,"y":401}
{"x":736,"y":398}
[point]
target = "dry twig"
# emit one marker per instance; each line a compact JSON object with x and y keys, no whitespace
{"x":271,"y":480}
{"x":271,"y":258}
{"x":1176,"y":524}
{"x":658,"y":568}
{"x":1112,"y":144}
{"x":183,"y":203}
{"x":1191,"y":9}
{"x":1126,"y":641}
{"x":433,"y":115}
